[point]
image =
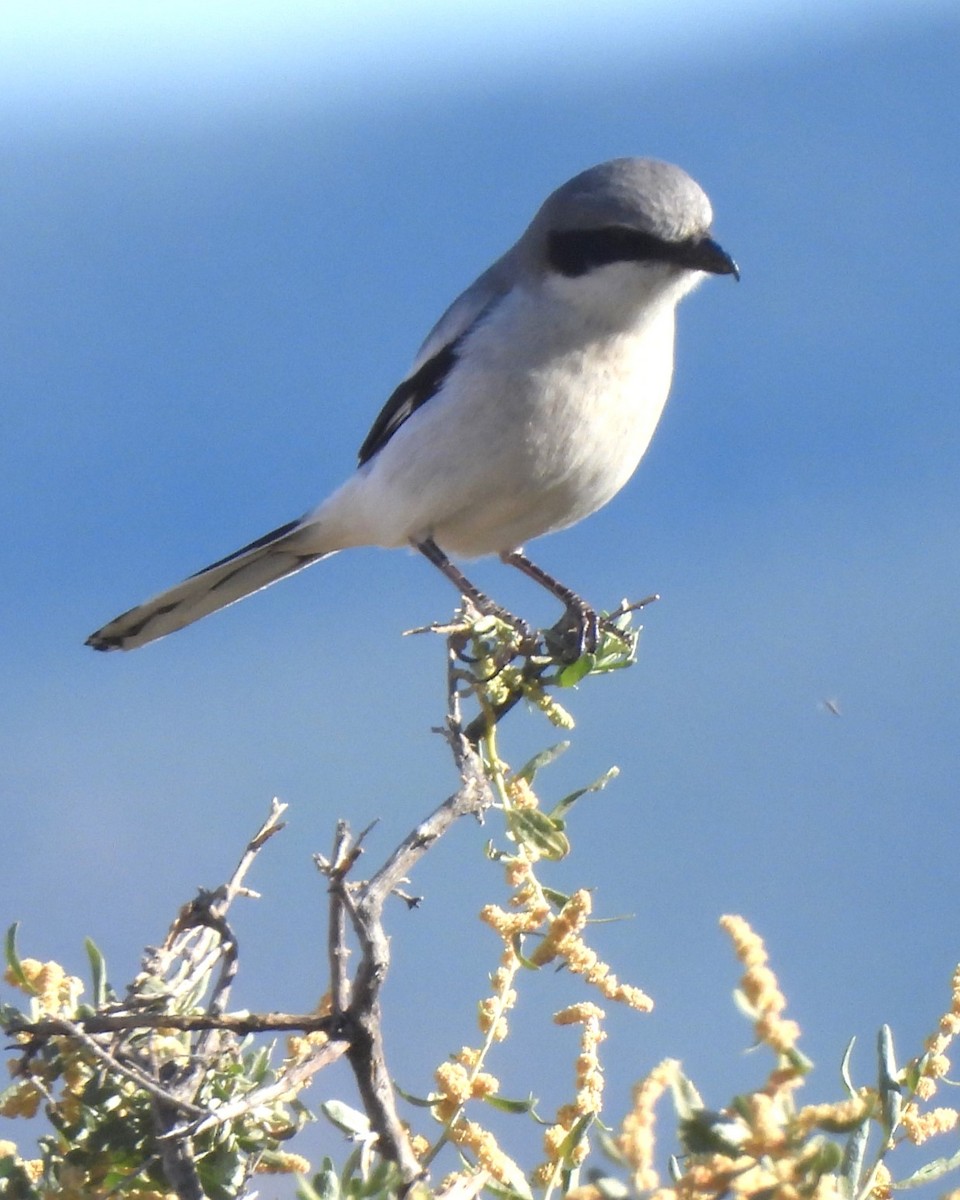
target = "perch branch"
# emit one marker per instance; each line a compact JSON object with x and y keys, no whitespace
{"x":361,"y":1018}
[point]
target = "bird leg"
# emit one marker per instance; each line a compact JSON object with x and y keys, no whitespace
{"x":586,"y":622}
{"x":430,"y":550}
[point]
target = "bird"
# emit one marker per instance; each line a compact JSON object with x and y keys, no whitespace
{"x":528,"y":407}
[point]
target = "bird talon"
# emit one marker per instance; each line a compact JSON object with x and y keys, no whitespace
{"x":614,"y":630}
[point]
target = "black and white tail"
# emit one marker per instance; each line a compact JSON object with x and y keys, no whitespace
{"x":271,"y":557}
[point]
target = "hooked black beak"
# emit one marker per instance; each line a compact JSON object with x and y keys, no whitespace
{"x":708,"y":255}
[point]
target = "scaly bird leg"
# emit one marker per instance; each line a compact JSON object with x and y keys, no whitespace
{"x":430,"y":550}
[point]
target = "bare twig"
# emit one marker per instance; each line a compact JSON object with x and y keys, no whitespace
{"x":345,"y":854}
{"x":473,"y":796}
{"x":199,"y":939}
{"x":358,"y":1003}
{"x":240,"y":1024}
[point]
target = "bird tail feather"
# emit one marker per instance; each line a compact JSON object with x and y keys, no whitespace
{"x":277,"y":554}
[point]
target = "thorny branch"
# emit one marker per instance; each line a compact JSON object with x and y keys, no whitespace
{"x":357,"y":1002}
{"x":199,"y":937}
{"x":240,"y":1024}
{"x":200,"y":945}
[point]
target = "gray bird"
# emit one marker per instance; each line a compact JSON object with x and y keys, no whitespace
{"x":528,"y":407}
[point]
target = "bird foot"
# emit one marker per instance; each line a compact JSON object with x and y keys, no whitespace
{"x":580,"y":631}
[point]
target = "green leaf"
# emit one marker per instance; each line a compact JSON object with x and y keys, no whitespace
{"x":891,"y":1094}
{"x":347,"y":1120}
{"x":561,"y":808}
{"x":912,"y":1073}
{"x":534,"y":828}
{"x":573,"y":673}
{"x":98,"y":973}
{"x":799,"y":1061}
{"x":502,"y":1104}
{"x":417,"y":1101}
{"x":886,"y":1055}
{"x":257,"y":1064}
{"x":557,"y":899}
{"x":854,"y":1153}
{"x":933,"y":1170}
{"x":610,"y":1188}
{"x":743,"y":1004}
{"x":529,"y":769}
{"x":13,"y":960}
{"x":845,"y":1069}
{"x":516,"y":1188}
{"x":384,"y":1180}
{"x":527,"y":963}
{"x":325,"y":1185}
{"x":827,"y":1159}
{"x":575,"y":1136}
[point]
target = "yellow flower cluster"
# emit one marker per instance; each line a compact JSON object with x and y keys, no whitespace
{"x":934,"y":1065}
{"x":588,"y":1100}
{"x":769,"y":1147}
{"x":564,"y":928}
{"x":555,"y":713}
{"x":763,"y":1145}
{"x":492,"y":1012}
{"x":919,"y":1127}
{"x":637,"y":1141}
{"x":23,"y":1100}
{"x":52,"y":989}
{"x":748,"y":1179}
{"x":761,"y":990}
{"x":519,"y":873}
{"x":529,"y":912}
{"x":418,"y":1144}
{"x":563,"y":940}
{"x":882,"y":1183}
{"x":521,"y":793}
{"x":32,"y":1167}
{"x":458,"y":1084}
{"x":589,"y":1072}
{"x":479,"y":1142}
{"x":301,"y":1045}
{"x":510,"y":925}
{"x":460,"y":1079}
{"x":281,"y":1163}
{"x":841,"y":1116}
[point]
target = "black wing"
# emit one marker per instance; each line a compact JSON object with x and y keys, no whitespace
{"x":414,"y":392}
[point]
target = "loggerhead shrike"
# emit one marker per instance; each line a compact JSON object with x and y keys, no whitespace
{"x":528,"y":407}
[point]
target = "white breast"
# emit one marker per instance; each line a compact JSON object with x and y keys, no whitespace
{"x":543,"y":420}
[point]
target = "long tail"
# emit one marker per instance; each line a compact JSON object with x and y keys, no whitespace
{"x":271,"y":557}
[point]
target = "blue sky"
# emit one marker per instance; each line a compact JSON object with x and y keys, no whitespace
{"x":225,"y":230}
